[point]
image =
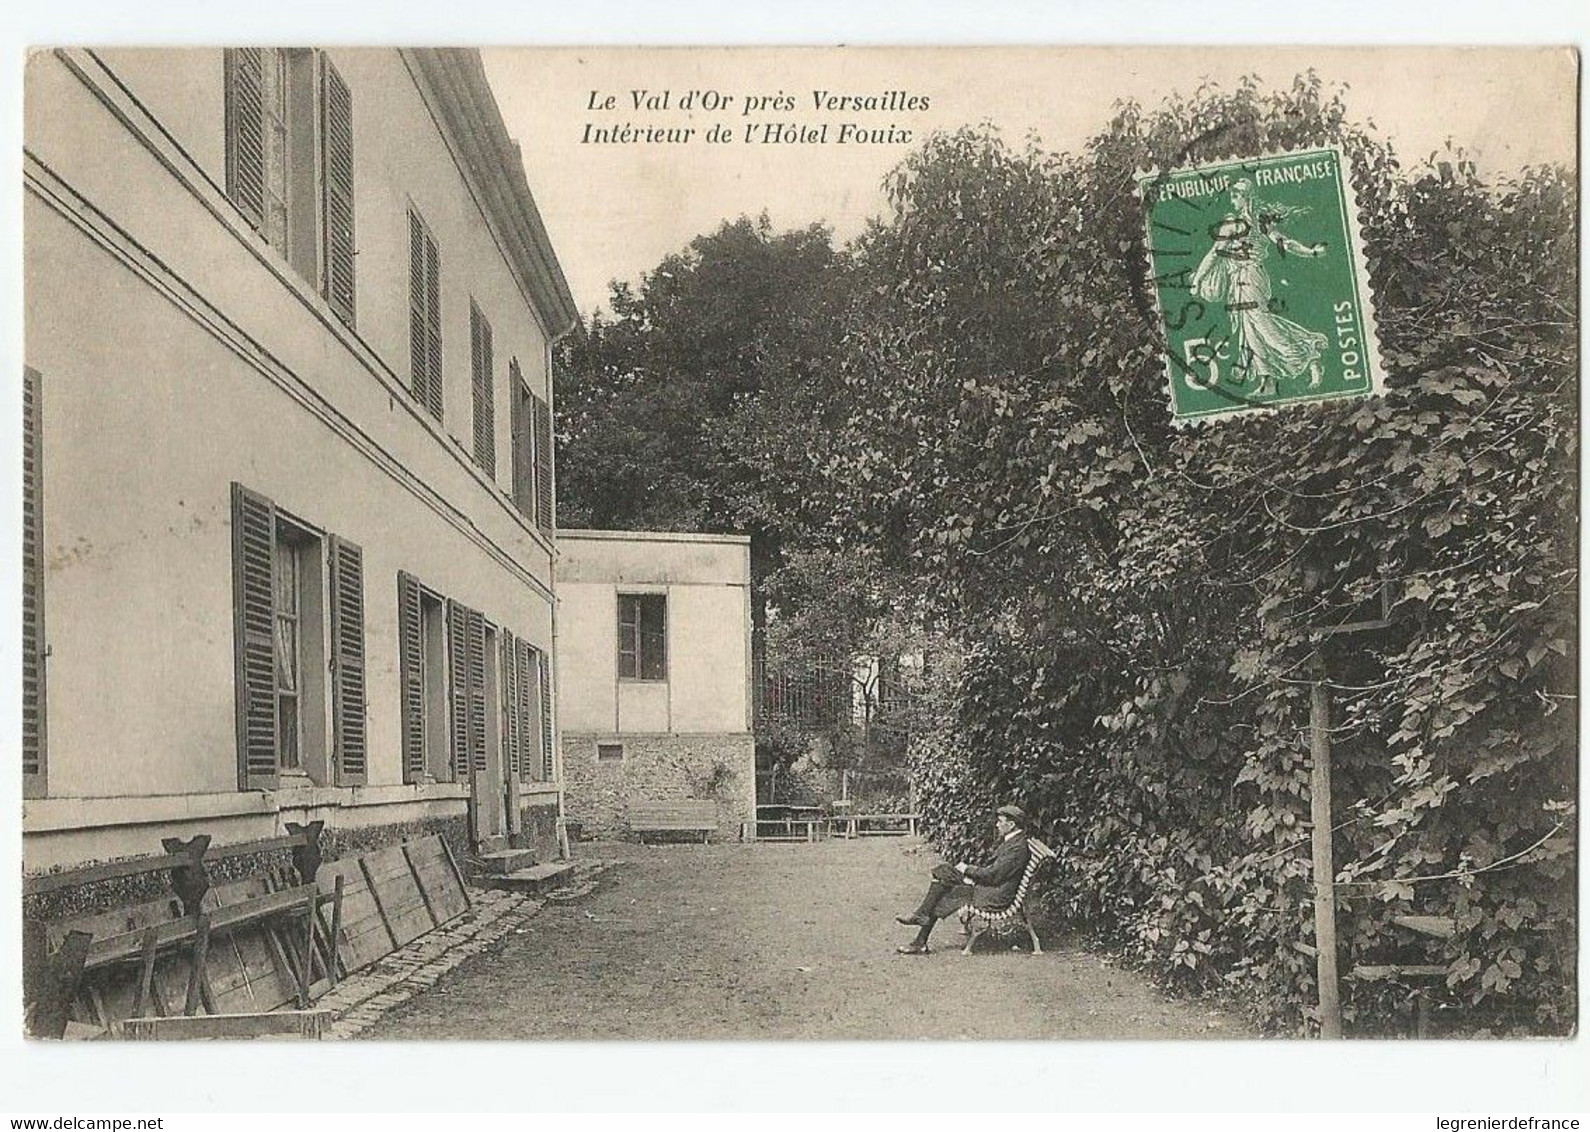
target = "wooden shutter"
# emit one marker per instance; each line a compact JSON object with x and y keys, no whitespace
{"x":347,"y":663}
{"x":521,"y":421}
{"x":477,"y":690}
{"x":433,"y":325}
{"x":245,"y":131}
{"x":481,"y":366}
{"x":336,"y":140}
{"x":419,"y":343}
{"x":543,"y":442}
{"x":544,"y":677}
{"x":509,"y":685}
{"x":458,"y":687}
{"x":33,"y":640}
{"x":254,"y":611}
{"x":411,"y":677}
{"x":529,"y":697}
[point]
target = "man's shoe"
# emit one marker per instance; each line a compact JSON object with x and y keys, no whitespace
{"x":914,"y":949}
{"x":914,"y":920}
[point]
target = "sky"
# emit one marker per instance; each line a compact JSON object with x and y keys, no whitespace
{"x":614,"y":209}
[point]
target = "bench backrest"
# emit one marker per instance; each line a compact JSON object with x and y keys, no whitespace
{"x":692,"y":812}
{"x":1038,"y":855}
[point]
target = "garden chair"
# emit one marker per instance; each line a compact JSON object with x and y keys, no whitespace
{"x":1019,"y":913}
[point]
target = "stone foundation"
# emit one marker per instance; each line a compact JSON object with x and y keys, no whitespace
{"x":538,"y":830}
{"x":658,"y":768}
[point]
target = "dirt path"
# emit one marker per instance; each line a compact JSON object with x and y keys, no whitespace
{"x":776,"y":941}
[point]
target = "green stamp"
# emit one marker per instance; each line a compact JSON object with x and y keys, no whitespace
{"x":1260,"y":284}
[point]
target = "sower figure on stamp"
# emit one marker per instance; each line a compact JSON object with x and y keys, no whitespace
{"x":988,"y":887}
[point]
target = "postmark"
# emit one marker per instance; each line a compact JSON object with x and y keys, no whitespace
{"x":1261,"y":290}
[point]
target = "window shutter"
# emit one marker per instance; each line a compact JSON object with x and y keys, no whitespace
{"x":543,"y":441}
{"x":510,"y":703}
{"x":419,"y":338}
{"x":336,"y":139}
{"x":33,"y":703}
{"x":347,"y":661}
{"x":481,"y":364}
{"x":245,"y":131}
{"x":433,"y":325}
{"x":477,"y":690}
{"x":529,"y":697}
{"x":544,"y":674}
{"x":254,"y":608}
{"x":458,"y":687}
{"x":411,"y":677}
{"x":520,"y":423}
{"x":425,"y":317}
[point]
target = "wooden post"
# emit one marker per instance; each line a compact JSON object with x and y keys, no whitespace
{"x":336,"y":931}
{"x":201,"y":955}
{"x":1319,"y":743}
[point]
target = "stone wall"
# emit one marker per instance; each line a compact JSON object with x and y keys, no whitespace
{"x":658,"y":768}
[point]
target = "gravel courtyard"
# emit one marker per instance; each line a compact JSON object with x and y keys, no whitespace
{"x":777,"y":941}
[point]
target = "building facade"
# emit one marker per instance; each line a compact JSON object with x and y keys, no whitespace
{"x":289,"y":479}
{"x":654,"y":674}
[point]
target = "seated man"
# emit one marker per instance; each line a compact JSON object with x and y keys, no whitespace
{"x":989,"y":888}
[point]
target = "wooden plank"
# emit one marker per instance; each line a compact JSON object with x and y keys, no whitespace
{"x":117,"y":921}
{"x":301,"y":1024}
{"x":397,"y":894}
{"x":363,"y":936}
{"x":39,"y":884}
{"x":53,"y":1008}
{"x":1392,"y":971}
{"x":458,"y":873}
{"x":1441,"y":927}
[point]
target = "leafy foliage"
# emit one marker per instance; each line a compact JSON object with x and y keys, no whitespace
{"x":1145,"y":606}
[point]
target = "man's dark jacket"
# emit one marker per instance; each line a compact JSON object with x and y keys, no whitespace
{"x":994,"y":884}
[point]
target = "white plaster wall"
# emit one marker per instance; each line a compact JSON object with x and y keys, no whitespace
{"x":149,"y":417}
{"x":587,"y":660}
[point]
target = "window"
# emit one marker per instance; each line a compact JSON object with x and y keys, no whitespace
{"x":33,"y":640}
{"x":425,"y":316}
{"x":289,"y":161}
{"x":481,"y":380}
{"x":543,"y":446}
{"x":609,"y":752}
{"x":521,"y":697}
{"x":466,"y":688}
{"x":422,"y":677}
{"x":293,"y":590}
{"x":642,"y":637}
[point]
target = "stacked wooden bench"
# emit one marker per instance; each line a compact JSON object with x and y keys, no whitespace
{"x":683,"y":815}
{"x":235,"y":950}
{"x":875,"y":825}
{"x":192,"y":948}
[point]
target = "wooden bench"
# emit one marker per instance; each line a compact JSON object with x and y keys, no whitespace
{"x":684,"y":815}
{"x":1018,"y":912}
{"x":177,"y":931}
{"x":874,"y":825}
{"x":1432,"y":927}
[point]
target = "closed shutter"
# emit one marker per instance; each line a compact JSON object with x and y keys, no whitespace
{"x":543,"y":443}
{"x":33,"y":680}
{"x":544,"y":674}
{"x":425,"y":318}
{"x":477,"y":690}
{"x":481,"y":366}
{"x":336,"y":137}
{"x":458,"y":687}
{"x":521,"y":421}
{"x":254,"y":609}
{"x":411,"y":677}
{"x":245,"y":131}
{"x":347,"y":663}
{"x":510,"y":701}
{"x":529,"y":697}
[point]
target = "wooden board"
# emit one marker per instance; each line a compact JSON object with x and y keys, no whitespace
{"x":397,"y":894}
{"x":440,"y":883}
{"x":308,"y":1024}
{"x":245,"y":970}
{"x":364,"y":934}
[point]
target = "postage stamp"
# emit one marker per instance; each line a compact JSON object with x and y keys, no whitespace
{"x":1260,"y":284}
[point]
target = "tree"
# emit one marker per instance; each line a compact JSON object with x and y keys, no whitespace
{"x":1141,"y":604}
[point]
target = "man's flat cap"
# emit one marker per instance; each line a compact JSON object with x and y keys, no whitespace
{"x":1014,"y":813}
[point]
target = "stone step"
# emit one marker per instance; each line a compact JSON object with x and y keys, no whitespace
{"x":503,"y":861}
{"x":535,"y":879}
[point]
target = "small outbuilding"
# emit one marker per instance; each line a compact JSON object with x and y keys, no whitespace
{"x":654,"y":671}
